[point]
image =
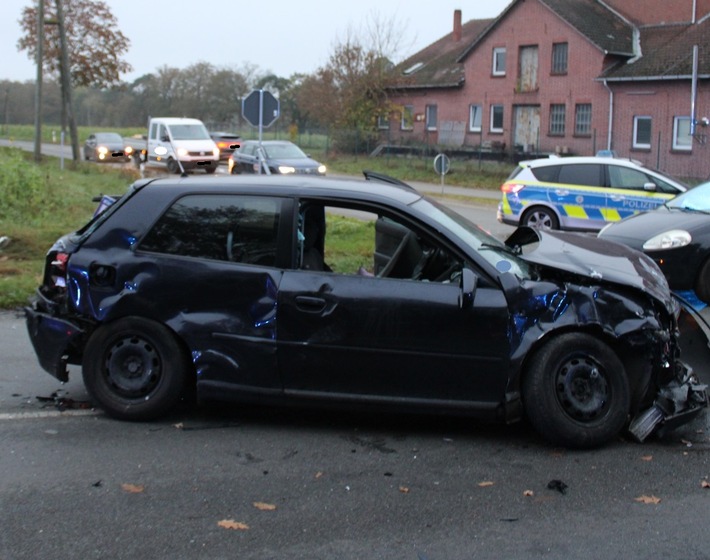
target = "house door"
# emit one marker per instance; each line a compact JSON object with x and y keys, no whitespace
{"x":526,"y":136}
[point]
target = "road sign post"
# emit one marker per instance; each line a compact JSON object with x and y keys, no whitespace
{"x":261,"y":109}
{"x":442,"y":164}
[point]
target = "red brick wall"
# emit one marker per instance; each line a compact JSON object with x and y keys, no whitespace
{"x":531,"y":23}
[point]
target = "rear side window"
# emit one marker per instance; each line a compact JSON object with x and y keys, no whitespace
{"x":547,"y":173}
{"x":232,"y":228}
{"x":581,"y":174}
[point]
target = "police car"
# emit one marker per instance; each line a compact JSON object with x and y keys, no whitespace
{"x":581,"y":193}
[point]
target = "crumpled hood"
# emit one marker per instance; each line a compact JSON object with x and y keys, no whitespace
{"x":598,"y":259}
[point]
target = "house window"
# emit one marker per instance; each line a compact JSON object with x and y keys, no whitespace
{"x":682,"y":140}
{"x":474,"y":118}
{"x":431,"y":117}
{"x":583,"y":119}
{"x":559,"y":58}
{"x":642,"y":132}
{"x":557,"y":119}
{"x":407,"y":117}
{"x":496,"y":118}
{"x":499,"y":61}
{"x":383,"y":122}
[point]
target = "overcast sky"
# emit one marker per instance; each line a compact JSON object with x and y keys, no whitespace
{"x":280,"y":36}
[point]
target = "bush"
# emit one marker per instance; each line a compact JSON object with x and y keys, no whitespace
{"x":23,"y":188}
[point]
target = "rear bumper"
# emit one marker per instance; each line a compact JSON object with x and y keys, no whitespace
{"x":56,"y":341}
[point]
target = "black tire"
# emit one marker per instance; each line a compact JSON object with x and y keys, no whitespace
{"x":702,"y":282}
{"x":135,"y":369}
{"x":575,"y":391}
{"x":236,"y":170}
{"x":540,"y":217}
{"x":173,"y":166}
{"x":210,"y":170}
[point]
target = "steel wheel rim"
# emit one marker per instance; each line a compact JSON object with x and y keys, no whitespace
{"x":132,"y":367}
{"x":540,"y":220}
{"x":582,"y":389}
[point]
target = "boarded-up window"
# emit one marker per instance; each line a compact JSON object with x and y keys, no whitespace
{"x":527,"y":80}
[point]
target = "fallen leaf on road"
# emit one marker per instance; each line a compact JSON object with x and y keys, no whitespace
{"x":133,"y":488}
{"x":404,"y":489}
{"x":319,"y":474}
{"x":704,"y":484}
{"x":264,"y":507}
{"x":528,"y":493}
{"x":648,"y":499}
{"x":647,"y":458}
{"x":486,"y":483}
{"x":231,"y":524}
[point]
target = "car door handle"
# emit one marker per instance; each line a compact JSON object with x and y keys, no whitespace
{"x":310,"y":304}
{"x":561,"y":192}
{"x":617,"y":197}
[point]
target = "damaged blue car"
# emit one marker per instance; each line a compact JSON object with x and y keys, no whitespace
{"x":250,"y":289}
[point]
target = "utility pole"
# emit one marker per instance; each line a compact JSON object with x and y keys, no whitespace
{"x":66,"y":82}
{"x":38,"y":84}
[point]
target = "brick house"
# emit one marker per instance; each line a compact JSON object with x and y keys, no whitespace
{"x":566,"y":76}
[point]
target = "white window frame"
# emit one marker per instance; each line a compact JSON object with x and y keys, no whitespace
{"x":499,"y":53}
{"x":636,"y":143}
{"x":494,"y":109}
{"x":475,"y":114}
{"x":383,"y":122}
{"x":684,"y":145}
{"x":431,"y":120}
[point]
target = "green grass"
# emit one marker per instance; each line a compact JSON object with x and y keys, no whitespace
{"x":38,"y":204}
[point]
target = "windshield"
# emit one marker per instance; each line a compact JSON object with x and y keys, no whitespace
{"x":109,"y":137}
{"x":488,"y":247}
{"x":284,"y":151}
{"x":189,"y":132}
{"x":697,"y":198}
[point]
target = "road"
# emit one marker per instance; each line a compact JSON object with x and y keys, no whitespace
{"x":250,"y":483}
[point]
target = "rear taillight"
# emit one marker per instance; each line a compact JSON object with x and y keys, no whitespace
{"x":58,"y":270}
{"x":512,"y":188}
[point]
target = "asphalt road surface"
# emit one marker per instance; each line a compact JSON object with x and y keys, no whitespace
{"x":250,"y":483}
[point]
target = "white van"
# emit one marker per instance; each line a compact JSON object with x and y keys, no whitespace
{"x":181,"y":144}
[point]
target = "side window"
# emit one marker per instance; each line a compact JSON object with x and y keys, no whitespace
{"x":354,"y":241}
{"x":233,"y":228}
{"x":625,"y":178}
{"x":582,"y":174}
{"x":547,"y":173}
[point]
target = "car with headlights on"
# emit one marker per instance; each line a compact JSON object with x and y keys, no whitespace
{"x":676,"y":235}
{"x":358,"y":293}
{"x":227,"y":142}
{"x":273,"y":156}
{"x":106,"y":146}
{"x":581,"y":193}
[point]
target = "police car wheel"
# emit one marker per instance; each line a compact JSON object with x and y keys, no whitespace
{"x":540,"y":217}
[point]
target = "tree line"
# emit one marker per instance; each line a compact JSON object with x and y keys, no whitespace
{"x":348,"y":91}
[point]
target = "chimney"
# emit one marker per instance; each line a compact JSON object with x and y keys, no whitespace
{"x":457,"y":26}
